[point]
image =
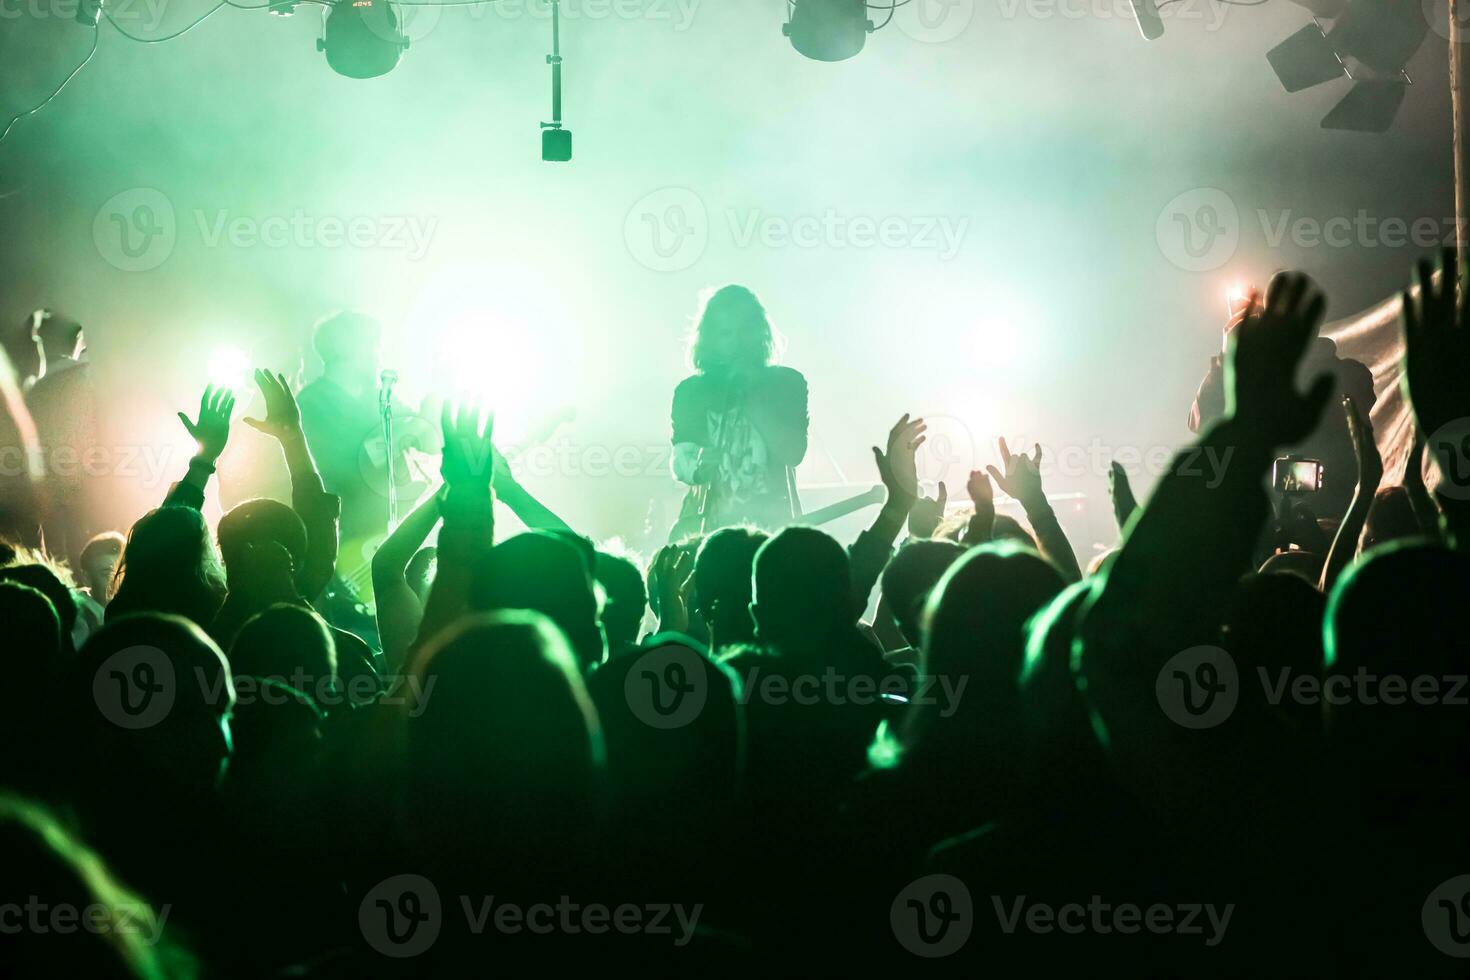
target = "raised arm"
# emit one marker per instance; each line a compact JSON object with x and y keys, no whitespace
{"x":1125,"y":505}
{"x":318,"y":510}
{"x":1436,"y":364}
{"x":399,"y":610}
{"x":897,"y":468}
{"x":1022,"y":480}
{"x":468,"y":508}
{"x":211,"y":431}
{"x":522,"y":503}
{"x":1194,"y":538}
{"x":981,"y":527}
{"x":1370,"y":475}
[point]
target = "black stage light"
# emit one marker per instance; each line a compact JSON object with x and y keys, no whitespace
{"x":1371,"y":42}
{"x":1305,"y":59}
{"x":1382,"y":34}
{"x":1369,"y":106}
{"x":828,"y":30}
{"x":363,"y":38}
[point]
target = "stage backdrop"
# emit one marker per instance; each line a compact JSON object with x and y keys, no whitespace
{"x":1375,"y":338}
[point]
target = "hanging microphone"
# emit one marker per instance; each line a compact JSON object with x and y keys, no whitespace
{"x":386,"y":380}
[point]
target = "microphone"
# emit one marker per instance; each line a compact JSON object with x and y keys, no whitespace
{"x":386,"y":381}
{"x":1149,"y":21}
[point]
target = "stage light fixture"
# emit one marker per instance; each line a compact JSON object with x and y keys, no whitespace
{"x":828,"y":30}
{"x":363,"y":38}
{"x":1305,"y":59}
{"x":1370,"y":43}
{"x":1369,"y":106}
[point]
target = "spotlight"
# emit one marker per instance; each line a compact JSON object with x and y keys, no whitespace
{"x":828,"y":30}
{"x":1370,"y":43}
{"x":363,"y":38}
{"x":229,"y":367}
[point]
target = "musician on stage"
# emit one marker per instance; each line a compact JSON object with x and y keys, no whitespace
{"x":341,"y":413}
{"x":740,"y":422}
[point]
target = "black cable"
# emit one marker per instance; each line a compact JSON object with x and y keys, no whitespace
{"x":159,"y":40}
{"x":96,"y":36}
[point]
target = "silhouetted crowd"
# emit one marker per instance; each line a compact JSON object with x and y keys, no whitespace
{"x":1237,"y":741}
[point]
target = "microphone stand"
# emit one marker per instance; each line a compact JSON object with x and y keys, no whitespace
{"x":385,"y":407}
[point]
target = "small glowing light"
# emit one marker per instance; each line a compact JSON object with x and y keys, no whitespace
{"x":229,"y":367}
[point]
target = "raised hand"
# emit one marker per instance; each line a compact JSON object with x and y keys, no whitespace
{"x":897,"y":466}
{"x":1436,"y":349}
{"x":1365,"y":448}
{"x":212,"y":429}
{"x":1260,"y":367}
{"x":1124,"y":502}
{"x":469,"y":454}
{"x":1022,"y":476}
{"x":672,"y":573}
{"x":926,"y":513}
{"x":982,"y":495}
{"x":282,"y":416}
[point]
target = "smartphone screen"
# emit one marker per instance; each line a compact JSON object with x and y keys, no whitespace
{"x":1295,"y":475}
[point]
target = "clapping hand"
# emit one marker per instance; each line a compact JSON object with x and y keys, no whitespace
{"x":212,"y":429}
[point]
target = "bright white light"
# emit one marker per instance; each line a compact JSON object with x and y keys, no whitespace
{"x":229,"y":367}
{"x":497,"y":335}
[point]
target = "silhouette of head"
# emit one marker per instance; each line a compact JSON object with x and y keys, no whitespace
{"x":547,"y":574}
{"x":1392,"y":613}
{"x":1274,"y":620}
{"x":258,"y":523}
{"x":349,"y":342}
{"x":46,"y":582}
{"x":626,"y":600}
{"x":699,"y":762}
{"x":1305,"y":565}
{"x":1007,"y":528}
{"x":731,"y":331}
{"x":98,"y":561}
{"x":975,"y":628}
{"x":287,"y":643}
{"x":803,"y":591}
{"x":911,"y":575}
{"x":158,"y":694}
{"x":505,"y":755}
{"x":32,"y":628}
{"x":723,"y":582}
{"x":169,"y":565}
{"x":45,"y":864}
